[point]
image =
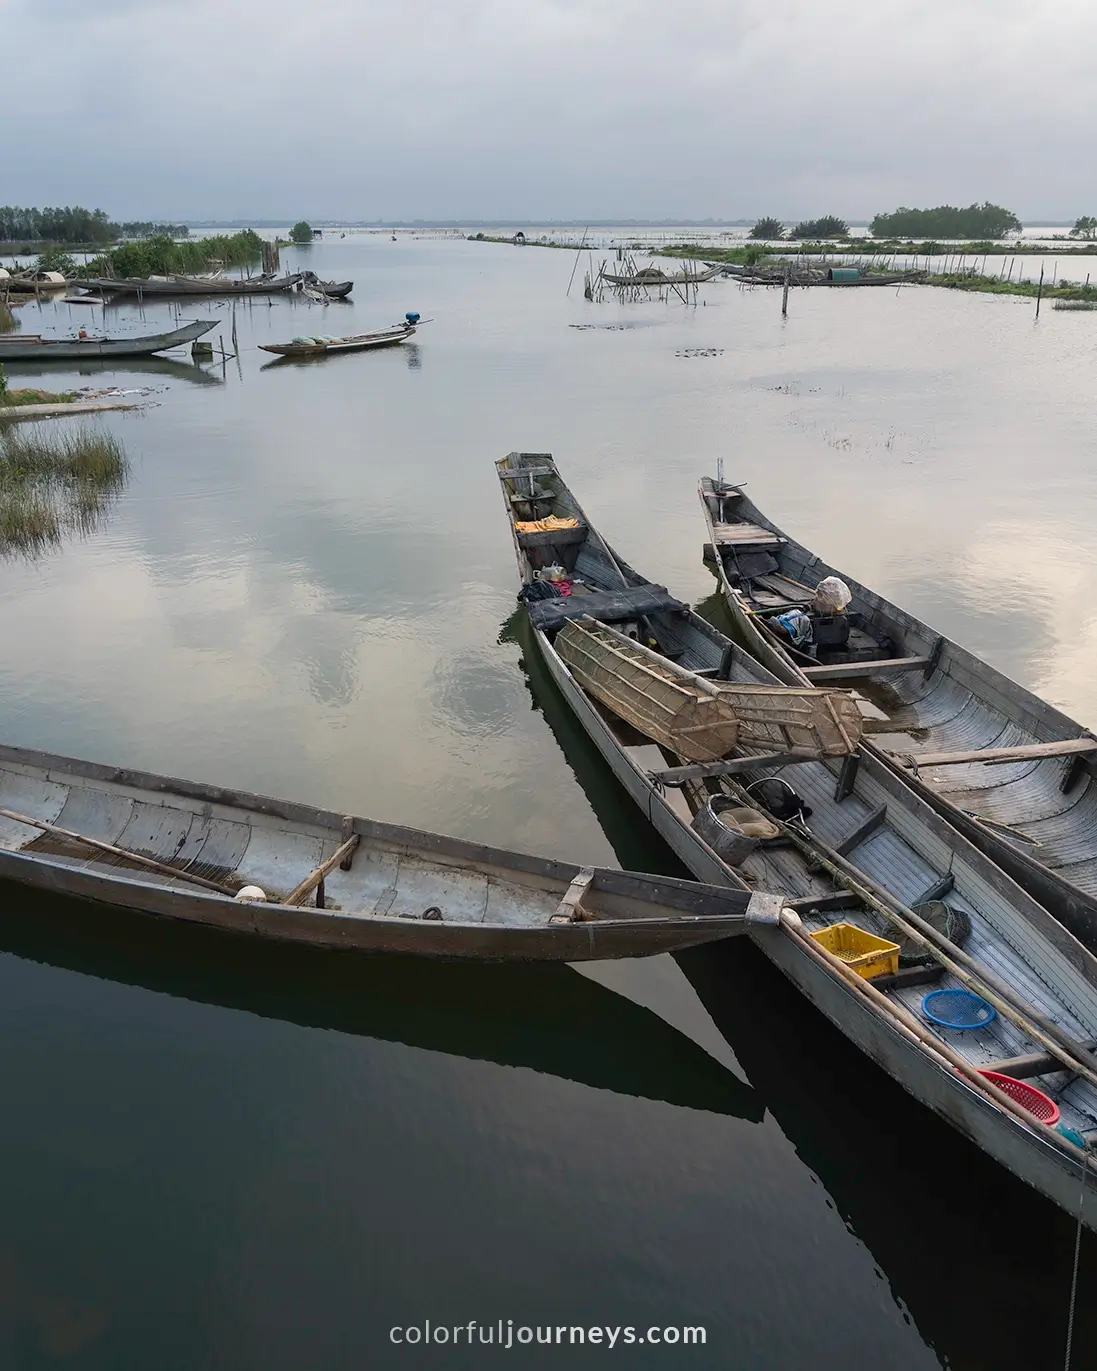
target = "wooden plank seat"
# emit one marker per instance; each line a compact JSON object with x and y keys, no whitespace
{"x":1067,"y":747}
{"x":607,"y":606}
{"x":848,"y":671}
{"x":513,"y":473}
{"x":744,"y":535}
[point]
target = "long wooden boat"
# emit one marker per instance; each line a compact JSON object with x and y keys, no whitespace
{"x":1015,"y":775}
{"x":333,"y":290}
{"x":855,"y":846}
{"x":249,"y":863}
{"x":655,"y":276}
{"x":322,"y":345}
{"x":33,"y":348}
{"x":192,"y":285}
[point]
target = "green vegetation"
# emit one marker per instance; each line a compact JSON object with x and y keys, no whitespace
{"x":995,"y":285}
{"x":1085,"y":227}
{"x":946,"y":221}
{"x":768,"y":230}
{"x":73,"y":224}
{"x":76,"y":226}
{"x":301,"y":232}
{"x":8,"y":322}
{"x":146,"y":228}
{"x":163,"y":257}
{"x":53,"y":483}
{"x":55,"y":259}
{"x":28,"y":396}
{"x":829,"y":226}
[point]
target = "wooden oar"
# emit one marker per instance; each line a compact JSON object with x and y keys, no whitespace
{"x":162,"y":867}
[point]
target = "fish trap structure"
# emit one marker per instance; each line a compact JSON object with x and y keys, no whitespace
{"x":700,"y":719}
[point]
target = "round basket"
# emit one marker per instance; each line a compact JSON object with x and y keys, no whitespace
{"x":1027,"y":1096}
{"x":945,"y":918}
{"x":961,"y":1009}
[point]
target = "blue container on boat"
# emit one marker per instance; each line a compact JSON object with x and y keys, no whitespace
{"x":411,"y":317}
{"x":843,"y":274}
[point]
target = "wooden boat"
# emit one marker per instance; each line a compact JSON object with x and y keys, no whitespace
{"x":856,"y":846}
{"x":199,"y":853}
{"x":1014,"y":775}
{"x":816,"y":276}
{"x":33,"y":282}
{"x":333,"y":290}
{"x":33,"y":348}
{"x":193,"y":285}
{"x":655,"y":276}
{"x":322,"y":345}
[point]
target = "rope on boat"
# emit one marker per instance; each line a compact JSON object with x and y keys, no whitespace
{"x":1077,"y":1258}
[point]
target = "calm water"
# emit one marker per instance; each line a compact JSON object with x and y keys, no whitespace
{"x":224,"y":1157}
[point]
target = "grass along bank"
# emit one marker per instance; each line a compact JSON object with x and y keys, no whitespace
{"x":30,"y":395}
{"x":162,"y":256}
{"x":53,"y":484}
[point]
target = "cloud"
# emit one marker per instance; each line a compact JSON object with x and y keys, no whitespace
{"x":482,"y":108}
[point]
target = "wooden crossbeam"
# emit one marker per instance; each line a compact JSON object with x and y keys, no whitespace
{"x":570,"y":907}
{"x":848,"y":671}
{"x":299,"y":892}
{"x":1067,"y":747}
{"x":864,"y":830}
{"x":511,"y":472}
{"x":676,"y":775}
{"x":1034,"y":1063}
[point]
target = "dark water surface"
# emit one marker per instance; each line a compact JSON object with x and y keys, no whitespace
{"x":219,"y":1156}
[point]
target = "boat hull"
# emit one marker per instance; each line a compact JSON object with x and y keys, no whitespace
{"x":229,"y":286}
{"x":1007,"y":706}
{"x":361,"y":344}
{"x":1024,"y":1153}
{"x":67,"y":349}
{"x":497,"y":905}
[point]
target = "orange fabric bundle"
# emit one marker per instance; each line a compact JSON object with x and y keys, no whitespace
{"x":551,"y":524}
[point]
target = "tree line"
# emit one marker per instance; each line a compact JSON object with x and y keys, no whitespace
{"x":74,"y":224}
{"x":983,"y":223}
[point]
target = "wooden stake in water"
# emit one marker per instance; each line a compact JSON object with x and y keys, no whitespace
{"x":1040,"y":290}
{"x":784,"y":296}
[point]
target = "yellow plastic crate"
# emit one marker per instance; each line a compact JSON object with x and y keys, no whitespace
{"x":864,"y":952}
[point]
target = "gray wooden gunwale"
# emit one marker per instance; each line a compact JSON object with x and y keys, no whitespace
{"x":908,"y":852}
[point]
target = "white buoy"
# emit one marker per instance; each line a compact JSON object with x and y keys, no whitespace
{"x":251,"y":892}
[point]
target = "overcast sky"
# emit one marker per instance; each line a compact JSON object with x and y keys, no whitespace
{"x":547,"y":109}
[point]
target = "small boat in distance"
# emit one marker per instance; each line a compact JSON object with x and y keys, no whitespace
{"x":323,"y":344}
{"x":1012,"y":773}
{"x":23,"y":347}
{"x":251,"y":864}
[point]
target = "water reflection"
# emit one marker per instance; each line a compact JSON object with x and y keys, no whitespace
{"x":952,"y":1232}
{"x":546,"y":1018}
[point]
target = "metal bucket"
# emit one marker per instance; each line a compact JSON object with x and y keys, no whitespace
{"x":732,"y":830}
